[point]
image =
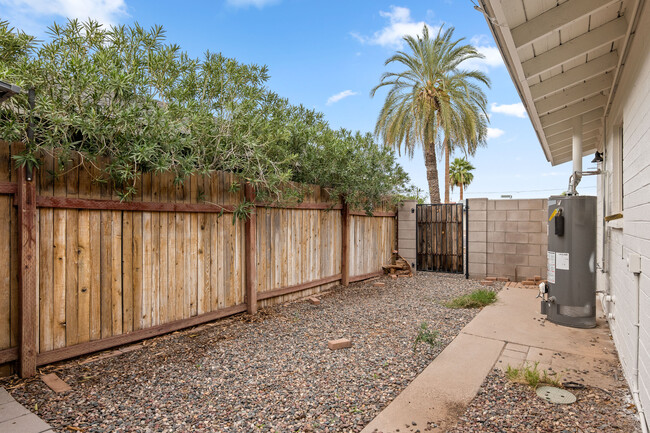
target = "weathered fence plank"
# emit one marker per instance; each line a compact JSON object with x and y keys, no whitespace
{"x":109,"y":272}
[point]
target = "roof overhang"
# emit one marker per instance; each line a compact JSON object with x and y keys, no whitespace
{"x":565,"y":58}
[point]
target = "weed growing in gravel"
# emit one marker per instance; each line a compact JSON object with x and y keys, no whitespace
{"x":531,"y":375}
{"x":477,"y":299}
{"x":425,"y":335}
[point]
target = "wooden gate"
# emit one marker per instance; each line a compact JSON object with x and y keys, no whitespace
{"x":439,"y":237}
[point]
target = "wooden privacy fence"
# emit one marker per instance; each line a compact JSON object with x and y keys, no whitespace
{"x":82,"y":271}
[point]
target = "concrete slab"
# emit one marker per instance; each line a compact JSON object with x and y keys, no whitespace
{"x":5,"y":397}
{"x":505,"y":361}
{"x":16,"y":418}
{"x":441,"y":392}
{"x":509,"y":332}
{"x":517,"y":347}
{"x":25,"y":424}
{"x":11,"y":410}
{"x":520,"y":307}
{"x":514,"y":354}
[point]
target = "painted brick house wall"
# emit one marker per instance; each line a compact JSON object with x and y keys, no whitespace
{"x":623,"y":239}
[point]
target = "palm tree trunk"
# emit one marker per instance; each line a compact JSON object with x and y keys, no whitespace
{"x":461,"y":192}
{"x":432,"y":172}
{"x":446,"y":147}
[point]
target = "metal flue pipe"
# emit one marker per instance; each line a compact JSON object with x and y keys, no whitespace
{"x":576,"y":176}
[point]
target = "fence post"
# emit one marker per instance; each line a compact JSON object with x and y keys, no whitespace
{"x":345,"y":239}
{"x":250,"y":243}
{"x":26,"y":204}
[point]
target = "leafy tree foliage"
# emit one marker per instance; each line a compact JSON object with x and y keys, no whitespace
{"x":126,"y":96}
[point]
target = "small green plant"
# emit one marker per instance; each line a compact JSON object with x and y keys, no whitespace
{"x":531,"y":375}
{"x":200,"y":195}
{"x":242,"y":211}
{"x":425,"y":335}
{"x":477,"y":299}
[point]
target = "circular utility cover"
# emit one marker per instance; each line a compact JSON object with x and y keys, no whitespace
{"x":555,"y":395}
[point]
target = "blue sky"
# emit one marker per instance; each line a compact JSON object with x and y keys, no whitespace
{"x":327,"y":55}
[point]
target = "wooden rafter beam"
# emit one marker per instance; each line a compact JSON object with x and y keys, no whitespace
{"x":567,"y":149}
{"x":575,"y":93}
{"x":575,"y":75}
{"x":567,"y":125}
{"x":566,"y":155}
{"x":563,"y":141}
{"x":576,"y":47}
{"x":573,"y":110}
{"x":554,"y":19}
{"x":568,"y":134}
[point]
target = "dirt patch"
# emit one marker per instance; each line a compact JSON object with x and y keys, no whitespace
{"x":504,"y":406}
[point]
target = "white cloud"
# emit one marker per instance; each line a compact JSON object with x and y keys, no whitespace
{"x":516,"y":110}
{"x":492,"y":55}
{"x":104,"y":11}
{"x":400,"y":24}
{"x":341,"y":95}
{"x":246,"y":3}
{"x":495,"y":133}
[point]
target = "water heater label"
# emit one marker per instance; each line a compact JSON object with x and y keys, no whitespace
{"x":562,"y":261}
{"x":550,"y":268}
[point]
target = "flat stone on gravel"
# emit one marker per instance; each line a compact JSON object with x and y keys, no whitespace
{"x":341,"y":343}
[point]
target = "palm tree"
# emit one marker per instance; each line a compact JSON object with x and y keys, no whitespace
{"x":433,"y":97}
{"x":469,"y":134}
{"x":461,"y":175}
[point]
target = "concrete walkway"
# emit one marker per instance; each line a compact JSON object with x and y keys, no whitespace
{"x":14,"y":418}
{"x":509,"y":332}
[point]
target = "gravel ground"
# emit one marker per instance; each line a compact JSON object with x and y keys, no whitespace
{"x":272,"y":372}
{"x":504,"y":406}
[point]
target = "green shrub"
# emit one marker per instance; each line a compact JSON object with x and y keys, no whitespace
{"x":127,"y":96}
{"x":426,"y":335}
{"x":531,"y":375}
{"x":477,"y":299}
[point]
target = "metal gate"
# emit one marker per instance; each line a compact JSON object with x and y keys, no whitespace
{"x":439,"y":237}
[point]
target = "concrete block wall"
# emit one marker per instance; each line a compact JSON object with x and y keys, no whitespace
{"x":507,"y":238}
{"x":406,"y":231}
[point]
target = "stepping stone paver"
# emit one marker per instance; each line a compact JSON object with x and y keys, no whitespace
{"x":16,"y":418}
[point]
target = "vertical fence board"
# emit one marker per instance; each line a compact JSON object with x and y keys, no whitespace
{"x":71,"y":256}
{"x":95,"y":259}
{"x":163,"y":241}
{"x":155,"y":253}
{"x":84,"y":265}
{"x":171,"y":252}
{"x":147,"y":254}
{"x":59,"y":261}
{"x":116,"y":273}
{"x":5,"y":245}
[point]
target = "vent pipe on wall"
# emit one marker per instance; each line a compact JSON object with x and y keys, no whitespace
{"x":576,"y":152}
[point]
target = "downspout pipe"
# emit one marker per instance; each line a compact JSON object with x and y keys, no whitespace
{"x":636,"y":383}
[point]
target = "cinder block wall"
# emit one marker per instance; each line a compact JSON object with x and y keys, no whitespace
{"x":507,"y":238}
{"x":406,"y":231}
